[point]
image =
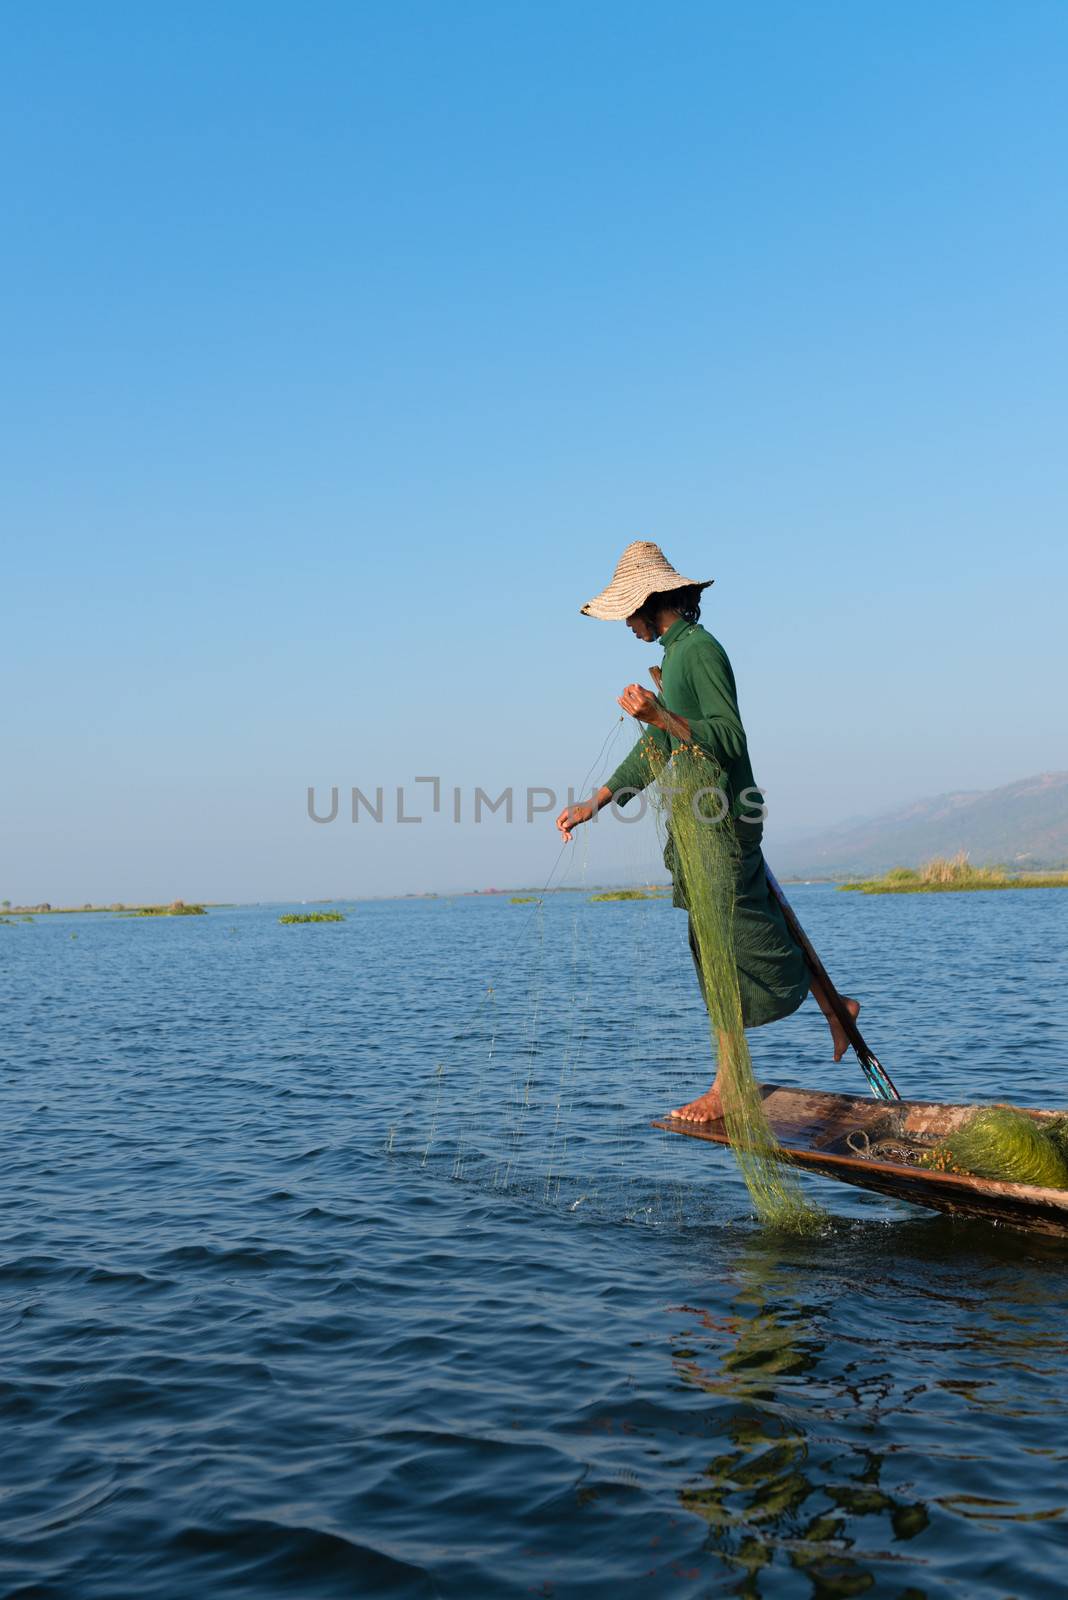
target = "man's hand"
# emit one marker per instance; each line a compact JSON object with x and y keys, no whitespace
{"x":572,"y":816}
{"x":638,"y":702}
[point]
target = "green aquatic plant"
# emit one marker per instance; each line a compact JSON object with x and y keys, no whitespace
{"x":688,"y":796}
{"x":1007,"y":1146}
{"x":524,"y":900}
{"x":953,"y":875}
{"x":621,"y":894}
{"x":312,"y":916}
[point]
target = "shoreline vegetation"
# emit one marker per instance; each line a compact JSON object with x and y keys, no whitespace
{"x":941,"y":875}
{"x":519,"y":896}
{"x":177,"y":908}
{"x":954,"y":875}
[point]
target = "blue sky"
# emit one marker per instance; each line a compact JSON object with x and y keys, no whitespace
{"x":345,"y":346}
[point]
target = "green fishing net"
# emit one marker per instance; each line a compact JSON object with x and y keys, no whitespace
{"x":688,"y":795}
{"x":1009,"y":1146}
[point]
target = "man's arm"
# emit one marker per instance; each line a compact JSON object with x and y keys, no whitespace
{"x":634,"y":773}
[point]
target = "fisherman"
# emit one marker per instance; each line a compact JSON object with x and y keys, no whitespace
{"x":697,"y":704}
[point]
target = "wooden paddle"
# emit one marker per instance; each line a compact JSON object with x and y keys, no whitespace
{"x":879,"y":1080}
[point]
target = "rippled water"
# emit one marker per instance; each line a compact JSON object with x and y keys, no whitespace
{"x":340,"y":1260}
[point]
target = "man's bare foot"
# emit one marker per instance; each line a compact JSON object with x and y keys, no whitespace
{"x":706,"y":1108}
{"x":838,"y":1033}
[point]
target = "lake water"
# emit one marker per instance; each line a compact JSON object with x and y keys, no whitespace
{"x":340,"y":1260}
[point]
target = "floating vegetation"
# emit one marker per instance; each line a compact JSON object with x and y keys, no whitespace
{"x":622,"y":894}
{"x":524,"y":900}
{"x":706,"y":852}
{"x":312,"y":916}
{"x":954,"y":874}
{"x":1007,"y":1146}
{"x":177,"y":908}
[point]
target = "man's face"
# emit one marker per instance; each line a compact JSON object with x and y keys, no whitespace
{"x":640,"y":628}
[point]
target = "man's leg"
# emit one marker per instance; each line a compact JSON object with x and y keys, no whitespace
{"x":838,"y":1033}
{"x":707,"y":1107}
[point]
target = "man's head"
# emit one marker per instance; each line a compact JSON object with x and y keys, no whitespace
{"x":656,"y":614}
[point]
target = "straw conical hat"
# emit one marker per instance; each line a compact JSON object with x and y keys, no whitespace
{"x":643,"y":569}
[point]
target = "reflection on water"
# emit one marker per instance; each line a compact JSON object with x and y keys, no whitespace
{"x":835,"y":1462}
{"x":775,"y":1492}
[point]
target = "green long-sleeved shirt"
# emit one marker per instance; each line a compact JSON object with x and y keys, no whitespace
{"x":698,"y":684}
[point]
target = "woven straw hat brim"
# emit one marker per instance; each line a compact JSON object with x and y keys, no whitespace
{"x":643,"y":570}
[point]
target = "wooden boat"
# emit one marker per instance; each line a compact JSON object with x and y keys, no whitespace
{"x":875,"y":1144}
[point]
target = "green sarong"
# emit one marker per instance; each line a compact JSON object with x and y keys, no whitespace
{"x":772,"y":976}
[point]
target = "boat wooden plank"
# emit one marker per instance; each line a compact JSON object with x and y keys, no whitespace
{"x":812,"y":1127}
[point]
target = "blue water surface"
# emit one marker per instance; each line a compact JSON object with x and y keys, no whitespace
{"x":340,"y":1260}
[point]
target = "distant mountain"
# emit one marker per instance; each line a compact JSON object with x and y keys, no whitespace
{"x":1023,"y":825}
